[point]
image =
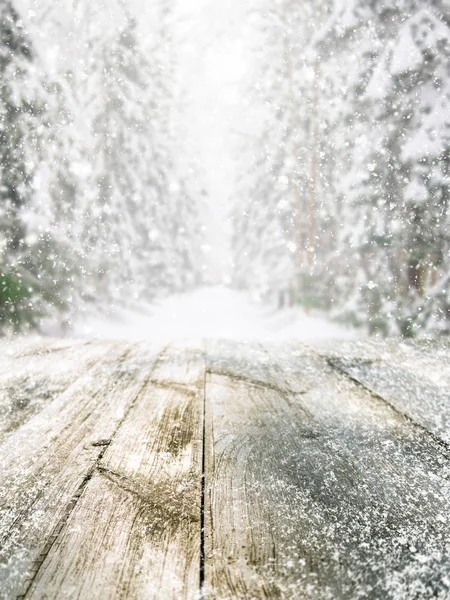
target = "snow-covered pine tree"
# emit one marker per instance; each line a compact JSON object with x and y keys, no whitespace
{"x":15,"y":54}
{"x":29,"y":287}
{"x":357,"y":122}
{"x":393,"y":253}
{"x":181,"y":193}
{"x":103,"y":207}
{"x":130,"y":194}
{"x":263,"y":248}
{"x":425,"y":154}
{"x":281,"y":202}
{"x":128,"y":177}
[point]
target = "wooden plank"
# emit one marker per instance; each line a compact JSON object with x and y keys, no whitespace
{"x":430,"y":358}
{"x":33,"y":378}
{"x":23,"y":346}
{"x":47,"y":461}
{"x":412,"y":377}
{"x":135,"y":533}
{"x":316,"y":488}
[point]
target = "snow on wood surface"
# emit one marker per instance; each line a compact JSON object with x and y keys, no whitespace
{"x":246,"y":470}
{"x":135,"y":531}
{"x":413,"y":378}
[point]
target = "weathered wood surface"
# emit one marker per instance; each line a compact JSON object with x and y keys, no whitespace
{"x":135,"y":531}
{"x":415,"y":379}
{"x":47,"y":461}
{"x":226,"y":470}
{"x":30,"y":379}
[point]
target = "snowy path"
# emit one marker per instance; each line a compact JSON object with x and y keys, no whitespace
{"x":214,"y":312}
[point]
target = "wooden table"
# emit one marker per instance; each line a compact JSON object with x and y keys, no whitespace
{"x":224,"y":470}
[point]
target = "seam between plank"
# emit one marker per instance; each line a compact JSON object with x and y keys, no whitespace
{"x":443,"y":446}
{"x":38,"y":562}
{"x":203,"y":493}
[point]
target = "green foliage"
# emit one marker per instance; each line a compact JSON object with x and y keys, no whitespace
{"x":15,"y":55}
{"x":35,"y":273}
{"x":39,"y":285}
{"x":17,"y":309}
{"x":312,"y":291}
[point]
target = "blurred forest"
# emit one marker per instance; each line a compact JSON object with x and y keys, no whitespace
{"x":94,"y":206}
{"x":341,"y":197}
{"x":347,"y":206}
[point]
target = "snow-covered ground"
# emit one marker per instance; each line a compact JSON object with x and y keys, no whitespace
{"x":211,"y":312}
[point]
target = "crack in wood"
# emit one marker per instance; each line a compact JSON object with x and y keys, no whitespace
{"x":188,"y":390}
{"x":28,"y":507}
{"x":277,"y":494}
{"x":102,"y":442}
{"x":266,"y":385}
{"x":336,"y":365}
{"x":50,"y":541}
{"x":290,"y":395}
{"x":203,"y":493}
{"x":180,"y":508}
{"x":56,"y":531}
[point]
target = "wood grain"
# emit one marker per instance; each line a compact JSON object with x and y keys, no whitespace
{"x":30,"y":380}
{"x":135,"y":533}
{"x":412,"y":377}
{"x":326,"y":471}
{"x":315,"y":488}
{"x":47,"y":460}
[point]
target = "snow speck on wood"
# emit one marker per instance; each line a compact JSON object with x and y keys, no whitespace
{"x":239,"y":470}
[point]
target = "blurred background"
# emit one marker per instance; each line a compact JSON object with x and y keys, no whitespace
{"x":244,"y":168}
